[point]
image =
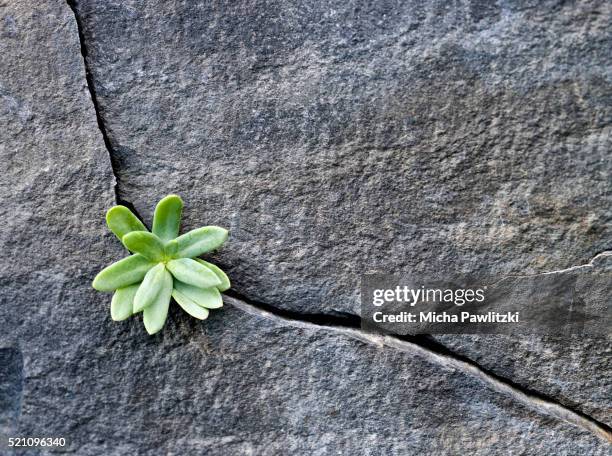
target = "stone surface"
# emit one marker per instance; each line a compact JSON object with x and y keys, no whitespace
{"x":331,"y":139}
{"x":336,"y":139}
{"x":56,"y":182}
{"x":339,"y":138}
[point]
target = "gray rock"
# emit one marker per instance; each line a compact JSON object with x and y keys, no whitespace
{"x":331,"y":140}
{"x":337,"y":139}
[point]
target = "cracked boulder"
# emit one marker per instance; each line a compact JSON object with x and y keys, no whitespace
{"x":330,"y":141}
{"x":409,"y":137}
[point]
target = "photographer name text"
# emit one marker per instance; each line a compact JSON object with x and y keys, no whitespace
{"x":445,"y":317}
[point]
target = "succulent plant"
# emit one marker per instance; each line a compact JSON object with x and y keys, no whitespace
{"x":164,"y":265}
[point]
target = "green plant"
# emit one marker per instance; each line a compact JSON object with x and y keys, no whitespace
{"x":163,"y":266}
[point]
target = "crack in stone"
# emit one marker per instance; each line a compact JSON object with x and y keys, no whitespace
{"x":590,"y":264}
{"x":94,"y":99}
{"x":427,"y":349}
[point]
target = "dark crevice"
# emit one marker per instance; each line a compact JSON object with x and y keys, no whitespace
{"x":345,"y":320}
{"x":435,"y":346}
{"x":350,"y":325}
{"x":94,"y":99}
{"x":348,"y":320}
{"x":130,"y":206}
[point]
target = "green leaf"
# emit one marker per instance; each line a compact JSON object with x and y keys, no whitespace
{"x":147,"y":244}
{"x":122,"y":221}
{"x":122,"y":303}
{"x":167,"y":217}
{"x":171,"y":248}
{"x":193,"y":273}
{"x":225,"y":281}
{"x":150,"y":287}
{"x":200,"y":241}
{"x":205,"y":297}
{"x":124,"y":272}
{"x":154,"y":316}
{"x":189,"y":306}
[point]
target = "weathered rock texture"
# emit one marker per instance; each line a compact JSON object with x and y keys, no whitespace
{"x":338,"y":138}
{"x":332,"y":139}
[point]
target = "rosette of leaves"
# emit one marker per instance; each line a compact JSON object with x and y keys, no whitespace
{"x":163,"y":265}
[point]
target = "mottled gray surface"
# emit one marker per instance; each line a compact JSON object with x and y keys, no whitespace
{"x":331,"y":139}
{"x":335,"y":139}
